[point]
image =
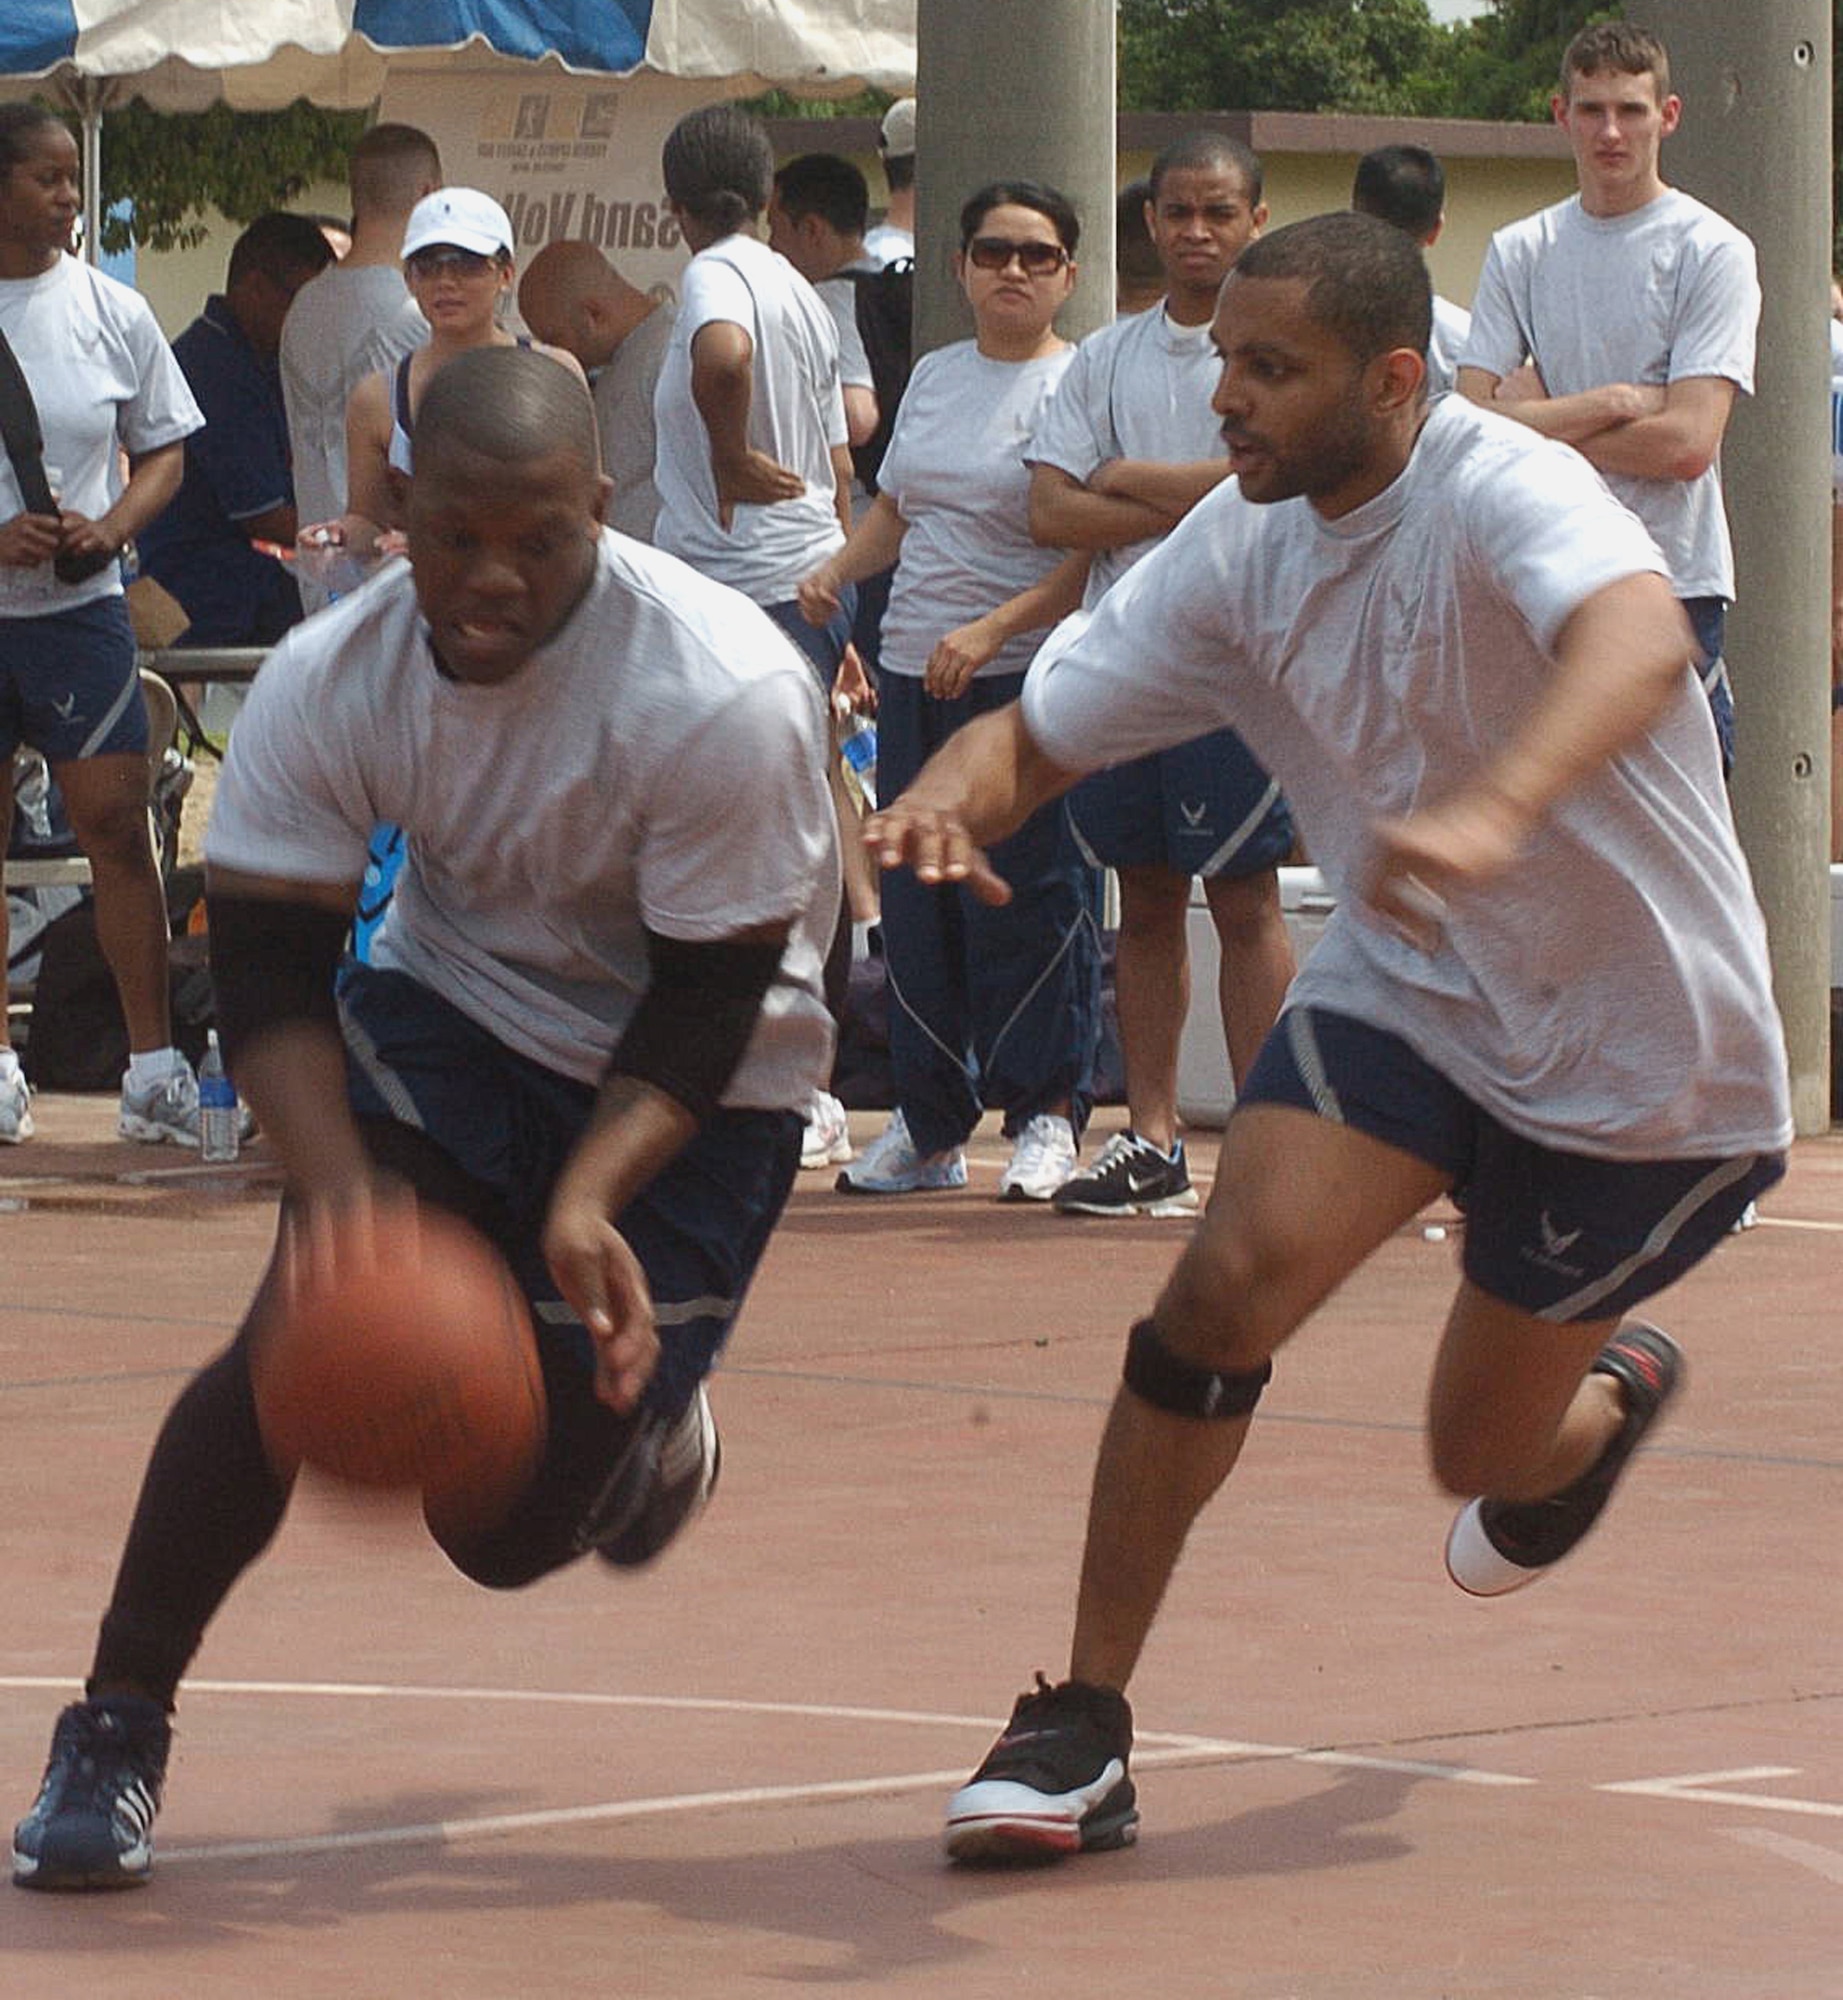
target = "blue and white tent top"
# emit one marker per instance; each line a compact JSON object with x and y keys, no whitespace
{"x":258,"y":54}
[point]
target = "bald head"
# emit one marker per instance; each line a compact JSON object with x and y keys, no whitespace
{"x":572,"y":297}
{"x":509,"y":404}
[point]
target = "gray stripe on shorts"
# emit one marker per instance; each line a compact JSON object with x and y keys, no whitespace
{"x":384,"y":1080}
{"x":559,"y":1312}
{"x":1579,"y":1305}
{"x":1242,"y":834}
{"x":130,"y":691}
{"x":1310,"y":1064}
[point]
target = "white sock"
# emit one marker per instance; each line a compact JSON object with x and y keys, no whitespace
{"x":9,"y":1064}
{"x":151,"y":1067}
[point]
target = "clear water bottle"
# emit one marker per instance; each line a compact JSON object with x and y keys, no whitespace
{"x":857,"y":753}
{"x":217,"y":1106}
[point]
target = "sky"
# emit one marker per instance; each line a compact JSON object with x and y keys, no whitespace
{"x":1455,"y":10}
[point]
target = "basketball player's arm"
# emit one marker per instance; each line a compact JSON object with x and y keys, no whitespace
{"x":1065,"y":514}
{"x":723,"y":388}
{"x":275,"y":948}
{"x":983,"y":783}
{"x":667,"y":1075}
{"x":1618,"y":659}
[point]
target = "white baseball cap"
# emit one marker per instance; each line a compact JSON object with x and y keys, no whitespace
{"x":899,"y":127}
{"x":462,"y":216}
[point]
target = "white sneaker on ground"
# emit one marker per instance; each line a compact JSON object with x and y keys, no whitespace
{"x":828,"y":1137}
{"x":15,"y":1109}
{"x":167,"y":1110}
{"x":891,"y":1165}
{"x":1043,"y":1158}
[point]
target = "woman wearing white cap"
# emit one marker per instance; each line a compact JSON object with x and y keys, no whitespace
{"x":457,"y":259}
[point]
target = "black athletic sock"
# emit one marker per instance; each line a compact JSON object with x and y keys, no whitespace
{"x":209,"y":1504}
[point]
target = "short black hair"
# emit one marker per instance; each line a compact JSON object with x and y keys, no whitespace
{"x":1205,"y":151}
{"x":718,"y":164}
{"x":20,"y":125}
{"x":1054,"y":206}
{"x":1366,"y":283}
{"x":509,"y":404}
{"x":1403,"y":185}
{"x":279,"y":246}
{"x":828,"y":186}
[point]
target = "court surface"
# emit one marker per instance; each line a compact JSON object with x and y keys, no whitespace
{"x":725,"y":1776}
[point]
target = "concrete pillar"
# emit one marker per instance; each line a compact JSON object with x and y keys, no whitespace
{"x":1012,"y":89}
{"x":1755,"y":144}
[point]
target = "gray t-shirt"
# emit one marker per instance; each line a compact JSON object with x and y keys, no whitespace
{"x":1139,"y":388}
{"x":955,"y":472}
{"x":1666,"y":294}
{"x":1609,"y":994}
{"x":658,"y":765}
{"x":624,"y":392}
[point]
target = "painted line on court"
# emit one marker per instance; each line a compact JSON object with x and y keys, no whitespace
{"x":1699,"y":1788}
{"x":1153,"y":1749}
{"x":1807,"y":1853}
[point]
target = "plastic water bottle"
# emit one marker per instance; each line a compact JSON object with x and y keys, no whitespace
{"x":217,"y":1106}
{"x":857,"y":753}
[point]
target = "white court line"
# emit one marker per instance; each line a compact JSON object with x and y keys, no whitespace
{"x":1820,"y":1860}
{"x":1698,"y":1788}
{"x":1153,"y":1749}
{"x":1795,"y":1222}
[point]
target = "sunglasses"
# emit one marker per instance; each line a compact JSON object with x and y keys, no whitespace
{"x":447,"y":263}
{"x":994,"y":253}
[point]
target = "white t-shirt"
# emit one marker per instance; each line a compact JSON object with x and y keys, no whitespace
{"x":1610,"y":993}
{"x":1665,"y":294}
{"x":955,"y":472}
{"x":796,"y":415}
{"x":840,"y":297}
{"x":104,"y":381}
{"x":1139,"y":388}
{"x":346,"y":323}
{"x":660,"y":763}
{"x":624,"y":391}
{"x":1452,"y":326}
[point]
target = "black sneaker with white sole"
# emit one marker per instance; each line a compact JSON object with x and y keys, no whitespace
{"x":661,"y":1482}
{"x":1130,"y":1176}
{"x":1497,"y":1546}
{"x":91,"y":1826}
{"x":1054,"y":1783}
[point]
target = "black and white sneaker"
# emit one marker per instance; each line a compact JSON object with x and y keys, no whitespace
{"x":1496,"y":1546}
{"x":1054,"y":1783}
{"x":91,"y":1826}
{"x":1130,"y":1176}
{"x":661,"y":1482}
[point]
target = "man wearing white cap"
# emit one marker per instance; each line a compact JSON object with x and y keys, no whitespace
{"x":894,"y":236}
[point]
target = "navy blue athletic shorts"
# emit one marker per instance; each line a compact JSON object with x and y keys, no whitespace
{"x":1200,"y":808}
{"x":482,"y":1131}
{"x":1560,"y":1235}
{"x":69,"y":684}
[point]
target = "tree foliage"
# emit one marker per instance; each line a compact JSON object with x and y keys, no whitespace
{"x":176,"y":168}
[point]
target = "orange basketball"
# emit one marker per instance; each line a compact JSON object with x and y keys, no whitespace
{"x":401,"y":1355}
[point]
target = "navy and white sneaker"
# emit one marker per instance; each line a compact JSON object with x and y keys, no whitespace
{"x":660,"y":1484}
{"x":1054,"y":1783}
{"x":1130,"y":1176}
{"x":91,"y":1826}
{"x":1496,"y":1546}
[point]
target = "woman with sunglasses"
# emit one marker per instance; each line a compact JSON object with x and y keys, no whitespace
{"x":992,"y":1008}
{"x":457,"y":261}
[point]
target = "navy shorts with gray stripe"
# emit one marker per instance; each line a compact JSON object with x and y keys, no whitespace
{"x":1560,"y":1235}
{"x":1206,"y":807}
{"x":478,"y":1128}
{"x":69,"y":684}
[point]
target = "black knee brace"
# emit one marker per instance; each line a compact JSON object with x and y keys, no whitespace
{"x":1168,"y":1382}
